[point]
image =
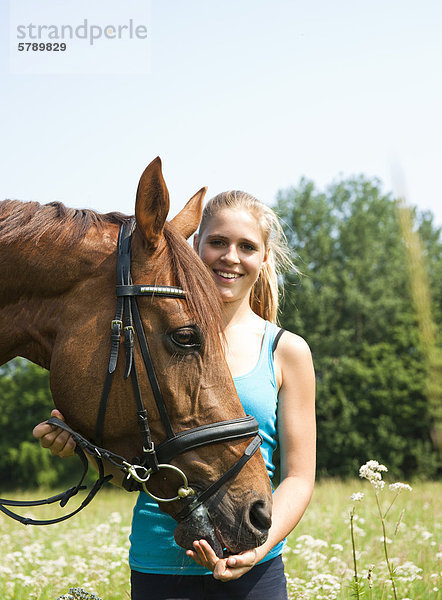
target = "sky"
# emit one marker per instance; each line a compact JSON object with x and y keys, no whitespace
{"x":231,"y":94}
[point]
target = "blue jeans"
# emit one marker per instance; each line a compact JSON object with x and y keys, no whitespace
{"x":265,"y":581}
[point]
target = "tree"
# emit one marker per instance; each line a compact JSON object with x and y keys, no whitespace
{"x":353,"y":305}
{"x":25,"y":400}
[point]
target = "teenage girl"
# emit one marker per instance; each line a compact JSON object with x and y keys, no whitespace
{"x":241,"y":241}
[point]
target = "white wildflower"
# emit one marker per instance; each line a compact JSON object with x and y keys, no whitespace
{"x":310,"y":542}
{"x":408,"y":572}
{"x":372,"y":472}
{"x":399,"y":487}
{"x":10,"y":586}
{"x":115,"y":518}
{"x":357,"y":496}
{"x":324,"y":585}
{"x":358,"y":530}
{"x":373,"y":465}
{"x":337,"y":547}
{"x":425,"y":535}
{"x":337,"y":564}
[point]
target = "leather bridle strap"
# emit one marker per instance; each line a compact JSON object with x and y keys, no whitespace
{"x":62,"y":498}
{"x":123,"y":271}
{"x":213,"y":433}
{"x":127,"y":309}
{"x":212,"y":489}
{"x":150,"y":290}
{"x":148,"y":365}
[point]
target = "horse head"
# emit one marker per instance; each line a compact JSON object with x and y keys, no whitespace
{"x":74,"y":295}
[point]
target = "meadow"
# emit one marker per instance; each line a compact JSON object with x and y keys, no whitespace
{"x":90,"y":550}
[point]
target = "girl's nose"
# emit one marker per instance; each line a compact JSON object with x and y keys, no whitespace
{"x":231,"y":255}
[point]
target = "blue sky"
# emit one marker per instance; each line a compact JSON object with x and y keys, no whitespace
{"x":236,"y":94}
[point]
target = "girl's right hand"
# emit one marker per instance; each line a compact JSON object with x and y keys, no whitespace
{"x":57,"y":440}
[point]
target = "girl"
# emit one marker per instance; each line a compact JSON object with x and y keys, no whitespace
{"x":242,"y":243}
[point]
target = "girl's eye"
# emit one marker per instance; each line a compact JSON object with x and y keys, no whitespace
{"x":186,"y":337}
{"x":249,"y":247}
{"x":216,"y":242}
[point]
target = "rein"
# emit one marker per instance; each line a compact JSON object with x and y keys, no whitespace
{"x":127,"y":323}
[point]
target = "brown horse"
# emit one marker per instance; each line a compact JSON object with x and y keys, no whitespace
{"x":57,"y":299}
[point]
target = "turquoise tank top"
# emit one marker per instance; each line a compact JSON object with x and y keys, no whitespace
{"x":153,"y":548}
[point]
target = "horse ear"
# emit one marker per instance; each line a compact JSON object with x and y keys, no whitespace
{"x":152,"y":203}
{"x":189,"y":218}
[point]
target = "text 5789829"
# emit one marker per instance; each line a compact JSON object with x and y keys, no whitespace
{"x":41,"y":47}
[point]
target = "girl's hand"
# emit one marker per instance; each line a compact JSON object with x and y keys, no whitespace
{"x":55,"y":439}
{"x":224,"y":569}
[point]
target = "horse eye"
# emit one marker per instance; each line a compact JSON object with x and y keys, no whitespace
{"x":186,"y":337}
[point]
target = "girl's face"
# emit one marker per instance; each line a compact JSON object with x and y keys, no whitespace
{"x":232,"y":247}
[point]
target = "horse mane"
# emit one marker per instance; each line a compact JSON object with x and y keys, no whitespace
{"x":23,"y":222}
{"x":191,"y":274}
{"x":27,"y":222}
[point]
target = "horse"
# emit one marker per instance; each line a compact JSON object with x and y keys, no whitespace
{"x":58,"y":267}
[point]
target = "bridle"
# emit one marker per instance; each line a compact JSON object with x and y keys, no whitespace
{"x":127,"y":323}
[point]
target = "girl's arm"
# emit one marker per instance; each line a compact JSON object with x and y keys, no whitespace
{"x":297,"y":437}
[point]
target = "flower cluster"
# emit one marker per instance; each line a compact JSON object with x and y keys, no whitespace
{"x":322,"y":570}
{"x":357,"y":496}
{"x":38,"y":564}
{"x":372,"y":472}
{"x":399,"y":487}
{"x":78,"y":594}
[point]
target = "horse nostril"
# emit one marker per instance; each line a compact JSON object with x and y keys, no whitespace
{"x":260,"y":516}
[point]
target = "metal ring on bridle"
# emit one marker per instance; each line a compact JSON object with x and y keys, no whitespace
{"x":183,"y":491}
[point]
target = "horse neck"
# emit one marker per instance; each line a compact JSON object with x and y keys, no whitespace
{"x":42,"y":270}
{"x":36,"y":280}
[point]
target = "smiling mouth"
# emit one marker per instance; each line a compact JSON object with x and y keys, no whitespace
{"x":226,"y":275}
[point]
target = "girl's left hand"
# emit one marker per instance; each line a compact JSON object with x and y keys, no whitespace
{"x":224,"y":569}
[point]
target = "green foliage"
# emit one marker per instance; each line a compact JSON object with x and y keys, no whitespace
{"x":353,"y":305}
{"x":25,"y":401}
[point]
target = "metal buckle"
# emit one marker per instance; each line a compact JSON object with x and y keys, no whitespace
{"x":149,"y":450}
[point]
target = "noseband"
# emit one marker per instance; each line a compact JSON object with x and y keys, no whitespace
{"x":127,"y":323}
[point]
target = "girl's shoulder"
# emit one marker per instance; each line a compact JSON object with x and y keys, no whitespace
{"x":292,"y":344}
{"x":292,"y":355}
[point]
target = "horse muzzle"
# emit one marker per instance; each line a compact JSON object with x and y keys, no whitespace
{"x":227,"y":531}
{"x":198,"y":526}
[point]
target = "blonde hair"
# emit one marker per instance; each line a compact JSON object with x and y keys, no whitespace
{"x":264,"y":297}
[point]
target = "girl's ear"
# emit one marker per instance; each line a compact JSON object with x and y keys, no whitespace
{"x":266,"y":256}
{"x":196,"y":243}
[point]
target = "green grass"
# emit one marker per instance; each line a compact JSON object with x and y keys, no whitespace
{"x":90,"y":550}
{"x":319,"y":559}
